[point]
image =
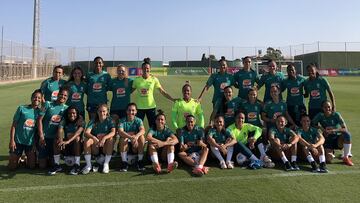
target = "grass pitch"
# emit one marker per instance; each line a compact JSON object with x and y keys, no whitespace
{"x":265,"y":185}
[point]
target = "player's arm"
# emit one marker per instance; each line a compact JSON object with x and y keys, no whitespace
{"x":165,"y":94}
{"x":172,"y":140}
{"x":76,"y":134}
{"x":212,"y":141}
{"x":206,"y":88}
{"x":12,"y":144}
{"x":89,"y":135}
{"x":272,"y":139}
{"x":174,"y":112}
{"x":124,"y":134}
{"x":320,"y":141}
{"x":40,"y":130}
{"x":140,"y":133}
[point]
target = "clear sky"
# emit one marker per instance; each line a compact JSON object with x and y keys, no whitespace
{"x":240,"y":23}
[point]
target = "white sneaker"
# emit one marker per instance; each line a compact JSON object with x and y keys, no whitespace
{"x":223,"y":165}
{"x":106,"y":168}
{"x":86,"y":169}
{"x":230,"y":164}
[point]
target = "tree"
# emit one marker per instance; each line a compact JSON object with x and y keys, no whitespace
{"x":274,"y":54}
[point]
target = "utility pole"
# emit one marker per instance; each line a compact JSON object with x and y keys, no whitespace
{"x":36,"y":37}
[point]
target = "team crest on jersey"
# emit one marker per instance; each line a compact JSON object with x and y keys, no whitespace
{"x":294,"y":90}
{"x":144,"y":91}
{"x":247,"y":82}
{"x":76,"y":96}
{"x":315,"y":93}
{"x":29,"y":123}
{"x":97,"y":86}
{"x":251,"y":115}
{"x":120,"y":91}
{"x":317,"y":85}
{"x":55,"y":119}
{"x":55,"y":93}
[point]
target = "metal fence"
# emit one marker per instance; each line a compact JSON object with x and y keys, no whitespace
{"x":16,"y":57}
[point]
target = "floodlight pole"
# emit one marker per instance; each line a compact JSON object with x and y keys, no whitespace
{"x":2,"y":44}
{"x":36,"y":37}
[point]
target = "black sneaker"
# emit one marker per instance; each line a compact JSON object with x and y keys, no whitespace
{"x":314,"y":167}
{"x":75,"y":170}
{"x":140,"y":165}
{"x":288,"y":166}
{"x":55,"y":169}
{"x":322,"y":168}
{"x":295,"y":166}
{"x":124,"y":166}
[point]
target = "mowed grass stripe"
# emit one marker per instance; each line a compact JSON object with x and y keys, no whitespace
{"x":176,"y":180}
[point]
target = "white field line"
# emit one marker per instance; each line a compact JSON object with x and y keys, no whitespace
{"x":174,"y":180}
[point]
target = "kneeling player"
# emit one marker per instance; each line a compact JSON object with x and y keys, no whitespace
{"x":68,"y":139}
{"x":131,"y":130}
{"x":162,"y":138}
{"x":99,"y":135}
{"x":312,"y":140}
{"x":221,"y":142}
{"x":284,"y":141}
{"x":192,"y":140}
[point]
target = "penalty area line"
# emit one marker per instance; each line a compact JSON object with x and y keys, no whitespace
{"x":173,"y":180}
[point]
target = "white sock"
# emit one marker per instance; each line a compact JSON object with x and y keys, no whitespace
{"x":154,"y":158}
{"x":140,"y":157}
{"x":123,"y":156}
{"x":310,"y":158}
{"x":57,"y":159}
{"x":107,"y":159}
{"x":170,"y":157}
{"x":217,"y":153}
{"x":293,"y":158}
{"x":261,"y":150}
{"x":253,"y":158}
{"x":88,"y":159}
{"x":229,"y":154}
{"x":347,"y":149}
{"x":284,"y":159}
{"x":77,"y":160}
{"x":322,"y":158}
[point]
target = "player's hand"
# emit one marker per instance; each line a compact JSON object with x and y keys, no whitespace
{"x":96,"y":140}
{"x":42,"y":142}
{"x":251,"y":141}
{"x":222,"y":148}
{"x":101,"y":142}
{"x":314,"y":151}
{"x":12,"y":146}
{"x":183,"y":147}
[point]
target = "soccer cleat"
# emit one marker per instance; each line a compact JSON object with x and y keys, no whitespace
{"x":323,"y":168}
{"x":268,"y":162}
{"x":75,"y":170}
{"x":314,"y":167}
{"x":124,"y":166}
{"x":86,"y":169}
{"x":157,"y":168}
{"x":172,"y":166}
{"x":223,"y":165}
{"x":140,"y":165}
{"x":295,"y":166}
{"x":205,"y":170}
{"x":55,"y":169}
{"x":106,"y":168}
{"x":256,"y":164}
{"x":95,"y":167}
{"x":288,"y":166}
{"x":229,"y":164}
{"x":348,"y":161}
{"x":198,"y":172}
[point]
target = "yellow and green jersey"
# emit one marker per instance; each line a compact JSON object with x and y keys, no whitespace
{"x":241,"y":135}
{"x":144,"y":91}
{"x":181,"y":109}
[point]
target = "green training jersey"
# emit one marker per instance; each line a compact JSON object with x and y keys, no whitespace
{"x":219,"y":81}
{"x":270,"y":80}
{"x":50,"y":88}
{"x":161,"y":135}
{"x":100,"y":129}
{"x":52,"y":115}
{"x":70,"y":128}
{"x":181,"y":109}
{"x":130,"y":126}
{"x":25,"y":128}
{"x":242,"y":135}
{"x":311,"y":136}
{"x":220,"y":137}
{"x":253,"y":113}
{"x":284,"y":136}
{"x":144,"y":91}
{"x":274,"y":110}
{"x":295,"y":90}
{"x":317,"y":90}
{"x":121,"y":91}
{"x":191,"y":137}
{"x":229,"y":109}
{"x":245,"y":80}
{"x":97,"y":86}
{"x":76,"y":95}
{"x":334,"y":121}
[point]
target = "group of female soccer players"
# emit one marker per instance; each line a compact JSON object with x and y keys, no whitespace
{"x":241,"y":128}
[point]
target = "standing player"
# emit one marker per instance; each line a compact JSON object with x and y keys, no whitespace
{"x":192,"y":141}
{"x":161,"y":139}
{"x":221,"y":142}
{"x":335,"y":132}
{"x":68,"y":139}
{"x":283,"y":142}
{"x":245,"y":78}
{"x":227,"y":106}
{"x":294,"y":84}
{"x":186,"y":106}
{"x":48,"y":123}
{"x":312,"y":140}
{"x":144,"y":87}
{"x":97,"y":85}
{"x":22,"y":132}
{"x":77,"y":89}
{"x":317,"y":86}
{"x":219,"y":80}
{"x":270,"y":79}
{"x":131,"y":130}
{"x":50,"y":87}
{"x":121,"y":87}
{"x":99,"y":135}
